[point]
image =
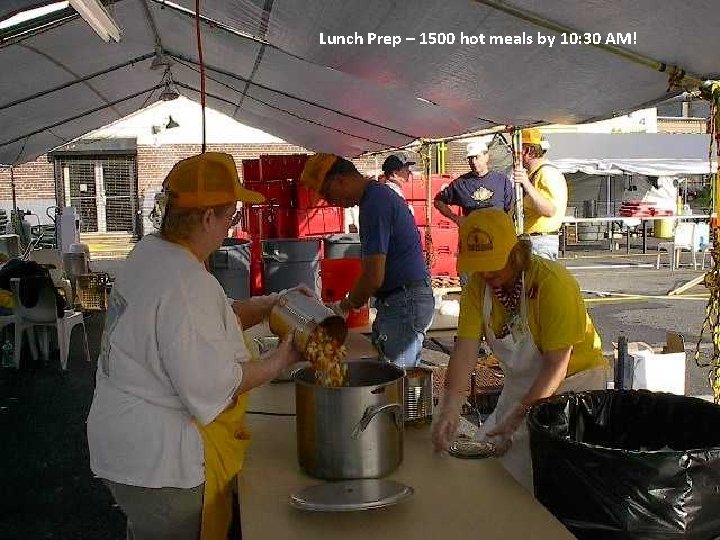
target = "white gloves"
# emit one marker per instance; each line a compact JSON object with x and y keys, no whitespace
{"x":445,"y":422}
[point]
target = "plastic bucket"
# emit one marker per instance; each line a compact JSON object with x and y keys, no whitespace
{"x":663,"y":228}
{"x":337,"y":277}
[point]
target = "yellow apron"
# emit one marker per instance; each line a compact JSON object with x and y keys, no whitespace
{"x":224,"y":440}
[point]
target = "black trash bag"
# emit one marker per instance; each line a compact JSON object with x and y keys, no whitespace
{"x":628,"y":464}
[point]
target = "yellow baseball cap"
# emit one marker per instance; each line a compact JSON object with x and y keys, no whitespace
{"x":532,"y":136}
{"x":207,"y":179}
{"x":315,"y":170}
{"x":487,"y":237}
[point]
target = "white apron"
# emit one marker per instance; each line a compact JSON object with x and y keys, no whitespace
{"x":521,"y":362}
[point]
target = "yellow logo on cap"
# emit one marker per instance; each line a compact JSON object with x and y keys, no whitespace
{"x":479,"y":240}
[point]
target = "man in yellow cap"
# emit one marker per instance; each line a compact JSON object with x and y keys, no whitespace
{"x":546,"y":194}
{"x":393,"y":266}
{"x":532,"y":315}
{"x":173,"y":364}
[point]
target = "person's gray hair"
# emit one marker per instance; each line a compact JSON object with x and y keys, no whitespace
{"x":178,"y":224}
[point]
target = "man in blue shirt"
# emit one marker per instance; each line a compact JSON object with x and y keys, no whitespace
{"x":393,"y":266}
{"x":479,"y":188}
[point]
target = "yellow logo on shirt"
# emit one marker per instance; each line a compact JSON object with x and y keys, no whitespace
{"x":482,"y":194}
{"x":479,"y":240}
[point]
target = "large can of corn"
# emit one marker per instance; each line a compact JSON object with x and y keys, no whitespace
{"x":351,"y":431}
{"x":303,"y":315}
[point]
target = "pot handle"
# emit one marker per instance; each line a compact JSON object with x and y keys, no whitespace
{"x":373,"y":410}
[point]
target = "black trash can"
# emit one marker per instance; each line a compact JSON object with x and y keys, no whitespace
{"x":230,"y":264}
{"x":628,"y":464}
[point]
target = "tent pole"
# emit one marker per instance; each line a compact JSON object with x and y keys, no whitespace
{"x":609,"y":196}
{"x":12,"y":187}
{"x":517,"y":162}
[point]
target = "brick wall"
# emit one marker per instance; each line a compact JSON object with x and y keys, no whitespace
{"x":33,"y":180}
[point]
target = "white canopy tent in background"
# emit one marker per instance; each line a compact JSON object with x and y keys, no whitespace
{"x":649,"y":154}
{"x":267,"y":69}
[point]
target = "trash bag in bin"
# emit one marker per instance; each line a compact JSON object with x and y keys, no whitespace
{"x":628,"y":464}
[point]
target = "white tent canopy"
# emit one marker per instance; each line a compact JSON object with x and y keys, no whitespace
{"x":268,"y":69}
{"x":650,"y":154}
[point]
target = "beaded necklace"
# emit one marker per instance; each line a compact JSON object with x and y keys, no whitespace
{"x":511,"y":302}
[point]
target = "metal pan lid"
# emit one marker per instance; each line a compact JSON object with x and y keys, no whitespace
{"x":468,"y":449}
{"x":350,"y":495}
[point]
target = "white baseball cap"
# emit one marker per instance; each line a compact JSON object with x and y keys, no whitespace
{"x":476,"y":148}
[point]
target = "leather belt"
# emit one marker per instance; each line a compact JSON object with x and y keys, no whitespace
{"x":381,"y":295}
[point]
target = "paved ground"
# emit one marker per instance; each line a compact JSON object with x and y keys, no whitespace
{"x":49,"y":493}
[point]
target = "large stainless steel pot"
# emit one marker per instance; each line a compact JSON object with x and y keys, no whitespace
{"x":353,"y":431}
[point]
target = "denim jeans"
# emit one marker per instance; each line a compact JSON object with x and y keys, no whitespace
{"x":400,"y":325}
{"x":546,"y":246}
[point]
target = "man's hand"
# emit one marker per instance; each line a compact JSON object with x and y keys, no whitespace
{"x":341,"y":308}
{"x":520,"y":176}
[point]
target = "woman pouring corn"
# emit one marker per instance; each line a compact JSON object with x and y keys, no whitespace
{"x":532,"y":315}
{"x":165,"y":429}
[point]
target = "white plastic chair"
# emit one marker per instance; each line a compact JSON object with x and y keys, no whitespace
{"x":44,"y":314}
{"x":683,"y":240}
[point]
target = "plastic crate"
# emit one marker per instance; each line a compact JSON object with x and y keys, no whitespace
{"x":438,"y":220}
{"x":441,"y":236}
{"x":320,"y":220}
{"x":267,"y":221}
{"x":417,"y":189}
{"x":91,"y":291}
{"x":282,"y":167}
{"x":443,"y":262}
{"x":251,"y":171}
{"x":276,"y":192}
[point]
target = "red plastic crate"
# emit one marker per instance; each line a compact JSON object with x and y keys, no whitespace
{"x":266,"y":221}
{"x":282,"y":167}
{"x":441,"y":236}
{"x":277,"y":192}
{"x":438,"y":220}
{"x":320,"y":220}
{"x":444,"y":261}
{"x":251,"y":170}
{"x":417,"y":189}
{"x":304,"y":198}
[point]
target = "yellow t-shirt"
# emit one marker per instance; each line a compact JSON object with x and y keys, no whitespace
{"x":551,"y":183}
{"x":556,"y":314}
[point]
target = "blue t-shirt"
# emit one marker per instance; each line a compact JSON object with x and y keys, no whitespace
{"x":471,"y":192}
{"x":387,"y":227}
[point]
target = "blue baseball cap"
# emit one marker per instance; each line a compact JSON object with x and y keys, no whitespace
{"x":396,"y":162}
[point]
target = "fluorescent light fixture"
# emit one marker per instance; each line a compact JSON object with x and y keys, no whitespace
{"x":98,"y":18}
{"x":31,"y":14}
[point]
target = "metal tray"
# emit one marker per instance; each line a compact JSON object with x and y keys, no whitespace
{"x":469,"y":449}
{"x":350,"y":495}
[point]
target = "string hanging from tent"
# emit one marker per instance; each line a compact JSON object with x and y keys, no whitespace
{"x":202,"y":71}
